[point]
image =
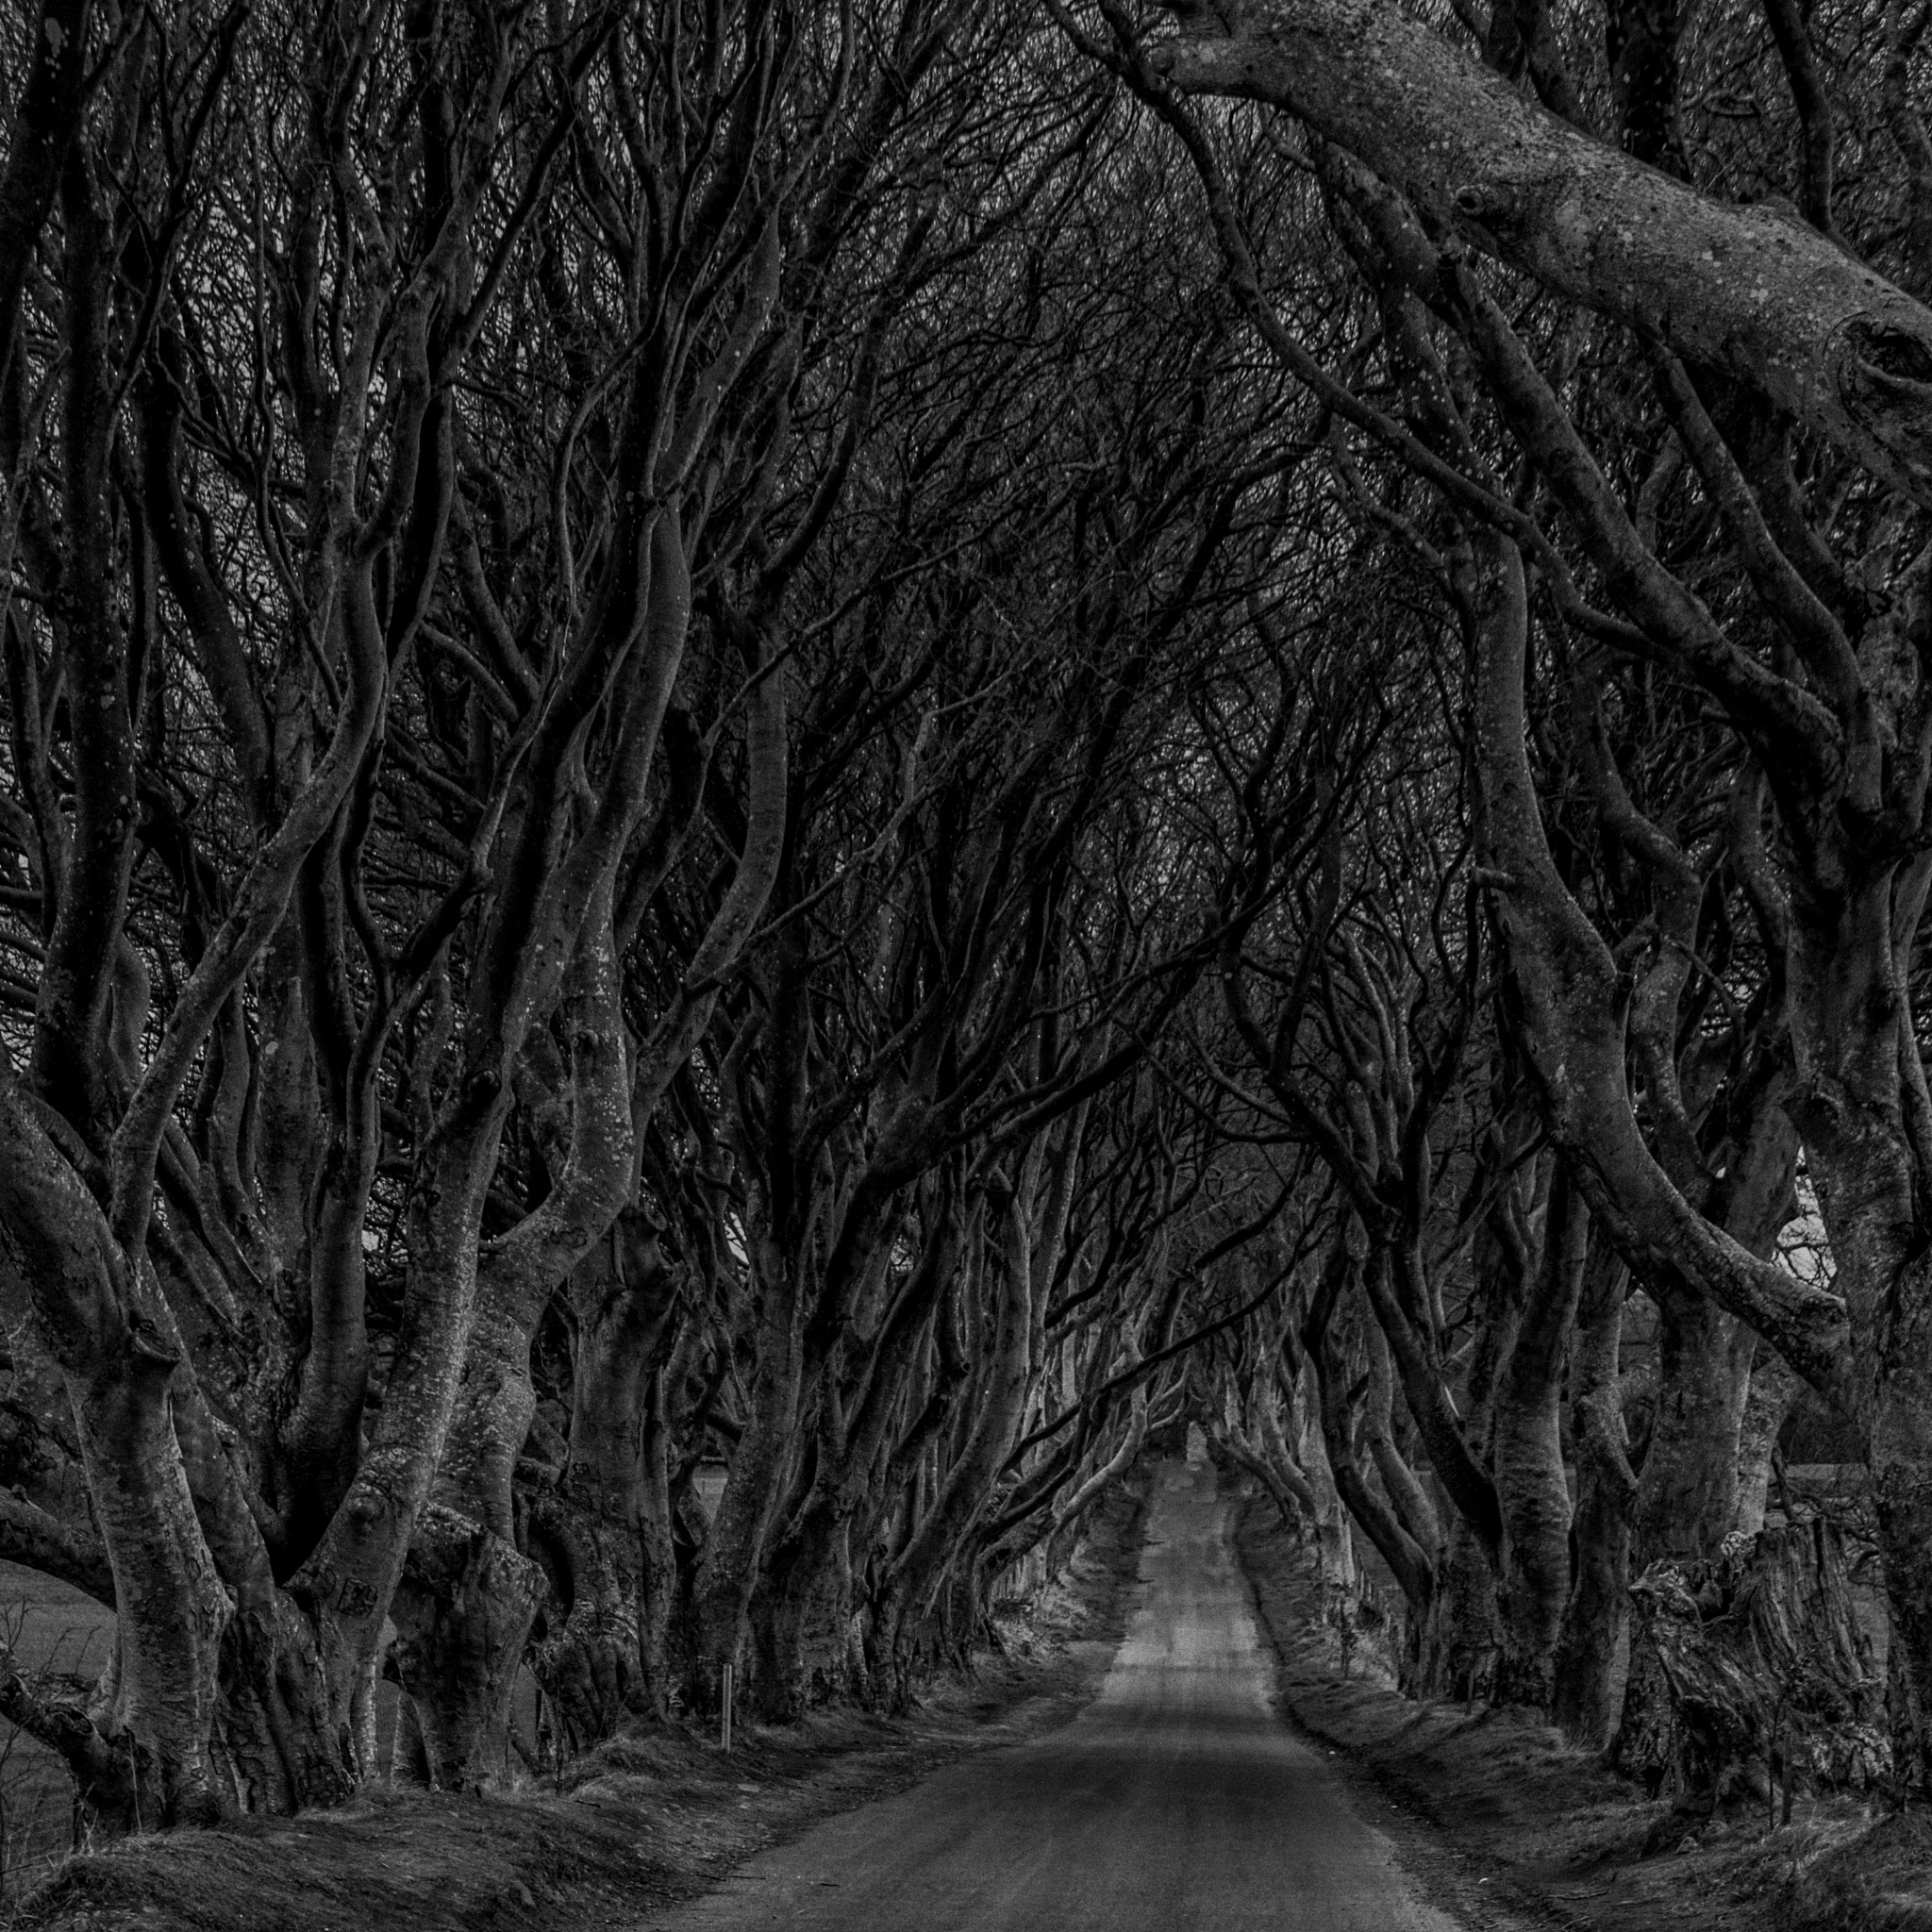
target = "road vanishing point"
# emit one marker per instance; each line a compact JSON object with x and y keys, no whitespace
{"x":1176,"y":1801}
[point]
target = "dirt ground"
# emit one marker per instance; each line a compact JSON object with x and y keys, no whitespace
{"x":1498,"y":1807}
{"x":651,"y":1818}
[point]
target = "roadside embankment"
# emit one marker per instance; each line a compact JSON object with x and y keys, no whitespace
{"x":1548,"y":1831}
{"x":656,"y":1815}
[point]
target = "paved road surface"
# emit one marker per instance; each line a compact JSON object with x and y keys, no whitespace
{"x":1175,"y":1803}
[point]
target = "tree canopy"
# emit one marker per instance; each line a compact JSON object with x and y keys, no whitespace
{"x":774,"y":774}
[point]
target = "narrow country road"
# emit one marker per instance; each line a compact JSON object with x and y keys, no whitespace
{"x":1175,"y":1803}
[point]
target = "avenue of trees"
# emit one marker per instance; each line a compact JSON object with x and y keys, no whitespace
{"x":772,"y":772}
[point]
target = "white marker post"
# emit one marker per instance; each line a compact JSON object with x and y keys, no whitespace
{"x":725,"y":1714}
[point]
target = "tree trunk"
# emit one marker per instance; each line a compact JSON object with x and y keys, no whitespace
{"x":171,"y":1607}
{"x":1587,"y":1700}
{"x":1333,"y":1544}
{"x":1454,"y":1652}
{"x":734,"y":1551}
{"x":1687,"y":1492}
{"x":1002,"y":1373}
{"x":1849,"y":997}
{"x":1753,"y":1659}
{"x":462,"y":1612}
{"x":801,"y":1619}
{"x":1527,"y":1456}
{"x":1772,"y":1392}
{"x":597,"y":1666}
{"x":466,"y":1611}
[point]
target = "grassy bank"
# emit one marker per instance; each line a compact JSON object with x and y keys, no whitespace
{"x":1547,"y":1832}
{"x":651,"y":1818}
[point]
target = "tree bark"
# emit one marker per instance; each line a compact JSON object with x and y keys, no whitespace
{"x":1002,"y":1375}
{"x":1748,"y":291}
{"x":1755,"y":1656}
{"x":598,"y":1666}
{"x":1333,"y":1544}
{"x":1686,"y":1493}
{"x":1587,"y":1701}
{"x":1772,"y":1390}
{"x":1527,"y":1454}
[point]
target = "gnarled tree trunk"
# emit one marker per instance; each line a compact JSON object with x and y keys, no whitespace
{"x":1588,"y":1697}
{"x":1527,"y":1454}
{"x":1753,"y":1660}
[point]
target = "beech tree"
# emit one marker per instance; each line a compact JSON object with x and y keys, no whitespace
{"x":536,"y":959}
{"x":362,"y":496}
{"x":773,"y":775}
{"x":1466,"y":166}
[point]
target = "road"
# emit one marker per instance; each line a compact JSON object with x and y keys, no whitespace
{"x":1175,"y":1803}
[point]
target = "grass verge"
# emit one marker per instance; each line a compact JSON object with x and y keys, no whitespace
{"x":1513,"y":1822}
